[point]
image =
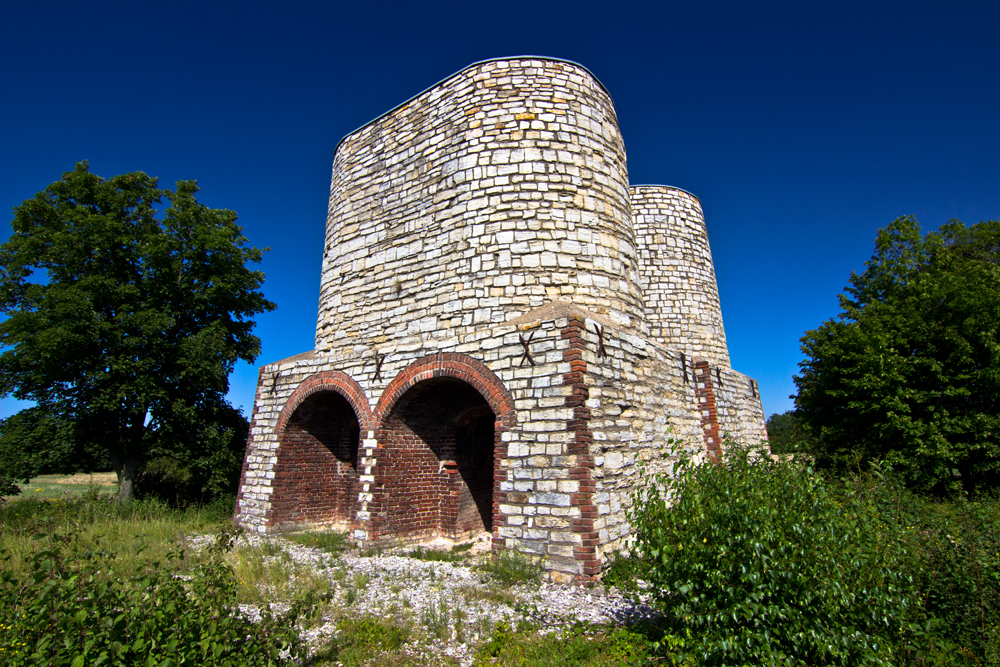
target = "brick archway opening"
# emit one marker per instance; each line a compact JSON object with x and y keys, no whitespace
{"x":316,"y":478}
{"x":440,"y":441}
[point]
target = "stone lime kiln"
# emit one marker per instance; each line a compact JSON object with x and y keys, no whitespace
{"x":506,"y":328}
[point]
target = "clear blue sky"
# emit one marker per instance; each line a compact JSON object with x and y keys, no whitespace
{"x":804,"y":127}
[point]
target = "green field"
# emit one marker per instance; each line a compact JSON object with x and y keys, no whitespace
{"x":50,"y":487}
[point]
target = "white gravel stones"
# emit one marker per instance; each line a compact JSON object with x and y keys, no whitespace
{"x":453,"y":606}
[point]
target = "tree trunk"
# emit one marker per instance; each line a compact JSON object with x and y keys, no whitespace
{"x":126,"y":480}
{"x":133,"y":454}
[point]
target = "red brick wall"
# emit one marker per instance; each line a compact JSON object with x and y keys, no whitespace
{"x":435,"y":469}
{"x":583,"y":438}
{"x":465,"y":486}
{"x":705,"y":393}
{"x":439,"y":426}
{"x":315,"y":473}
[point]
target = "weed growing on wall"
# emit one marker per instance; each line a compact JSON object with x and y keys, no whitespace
{"x":758,"y":563}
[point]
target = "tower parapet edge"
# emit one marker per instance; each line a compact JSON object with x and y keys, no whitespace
{"x":500,"y":189}
{"x":677,"y":273}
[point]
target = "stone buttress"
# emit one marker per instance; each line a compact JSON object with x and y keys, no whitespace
{"x":506,"y":329}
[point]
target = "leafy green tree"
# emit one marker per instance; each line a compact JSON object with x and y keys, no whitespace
{"x":909,"y":372}
{"x":786,"y":433}
{"x":35,"y":442}
{"x":125,"y":325}
{"x":179,"y":474}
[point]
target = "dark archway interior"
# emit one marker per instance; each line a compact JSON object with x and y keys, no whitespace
{"x":329,"y":419}
{"x":441,"y":438}
{"x":315,"y":475}
{"x":474,"y":442}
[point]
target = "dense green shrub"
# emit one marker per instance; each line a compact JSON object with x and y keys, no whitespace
{"x":8,"y":487}
{"x":908,"y":373}
{"x":759,"y":563}
{"x":788,"y":434}
{"x":951,"y":551}
{"x":73,"y":610}
{"x":196,"y":477}
{"x":37,"y":442}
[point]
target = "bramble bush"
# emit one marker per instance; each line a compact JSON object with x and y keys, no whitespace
{"x":758,"y":562}
{"x":73,"y":610}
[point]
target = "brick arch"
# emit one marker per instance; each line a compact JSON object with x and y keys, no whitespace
{"x":453,"y":365}
{"x":336,"y":381}
{"x":394,"y":498}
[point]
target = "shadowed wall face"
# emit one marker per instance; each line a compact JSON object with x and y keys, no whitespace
{"x":317,"y":462}
{"x":439,"y":460}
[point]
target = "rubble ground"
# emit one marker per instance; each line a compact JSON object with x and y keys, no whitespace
{"x":446,"y":600}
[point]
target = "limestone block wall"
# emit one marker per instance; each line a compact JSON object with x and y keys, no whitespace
{"x":583,"y":412}
{"x":642,"y":397}
{"x":500,"y":189}
{"x":741,"y":414}
{"x":678,"y":276}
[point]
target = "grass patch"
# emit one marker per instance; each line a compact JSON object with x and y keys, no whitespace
{"x":437,"y":555}
{"x":487,"y":593}
{"x":583,"y":645}
{"x":367,"y":641}
{"x":50,"y":487}
{"x":266,"y":574}
{"x":332,"y":542}
{"x":373,"y":551}
{"x":141,"y":532}
{"x":511,"y":567}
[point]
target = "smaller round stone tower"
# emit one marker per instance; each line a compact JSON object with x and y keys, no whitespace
{"x":677,"y":273}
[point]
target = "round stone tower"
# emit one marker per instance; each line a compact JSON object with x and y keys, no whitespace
{"x":495,"y":191}
{"x":678,"y":276}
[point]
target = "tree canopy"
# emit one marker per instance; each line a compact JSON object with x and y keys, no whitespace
{"x":785,"y":433}
{"x":909,"y":372}
{"x":124,"y":320}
